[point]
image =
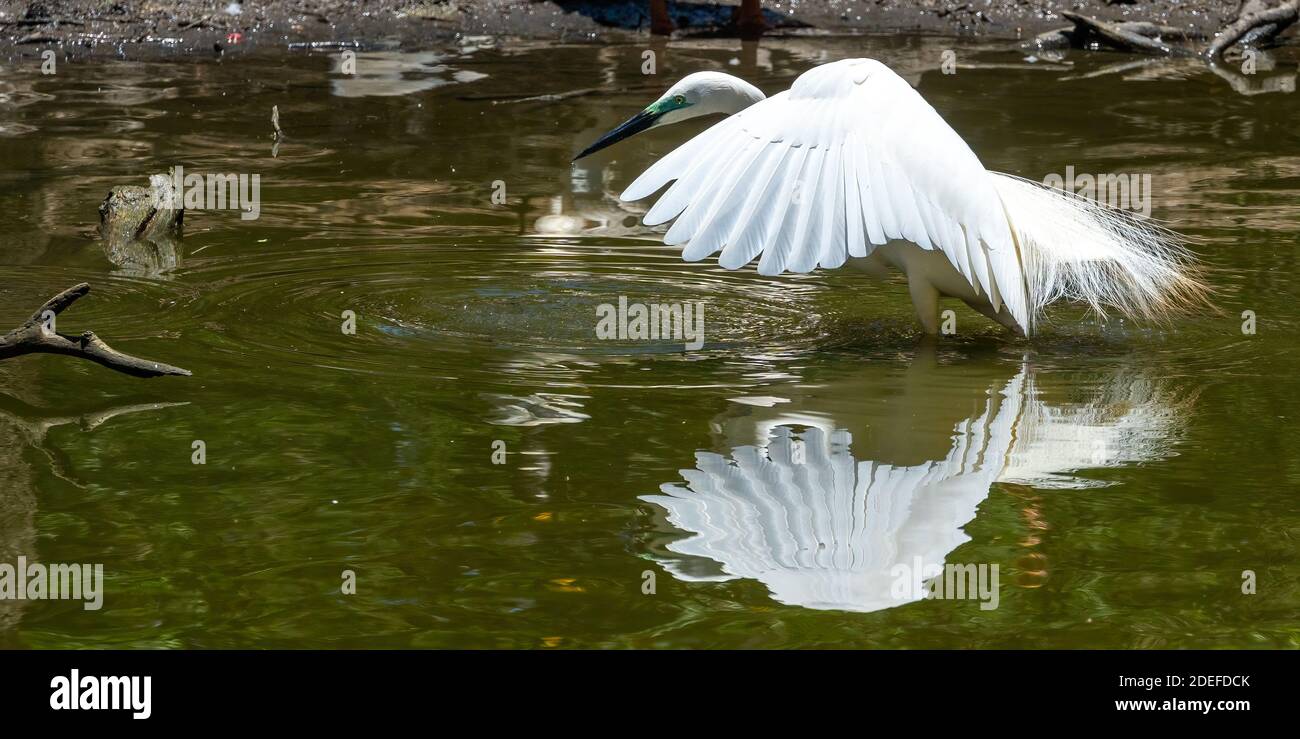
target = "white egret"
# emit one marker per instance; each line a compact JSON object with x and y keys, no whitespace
{"x":852,"y":165}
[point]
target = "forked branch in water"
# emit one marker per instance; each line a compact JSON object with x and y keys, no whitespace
{"x":35,"y":337}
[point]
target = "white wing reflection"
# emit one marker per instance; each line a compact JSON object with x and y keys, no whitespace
{"x":823,"y":529}
{"x":393,"y":73}
{"x":1133,"y":419}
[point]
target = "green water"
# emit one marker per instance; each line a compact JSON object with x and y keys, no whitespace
{"x":1121,"y":477}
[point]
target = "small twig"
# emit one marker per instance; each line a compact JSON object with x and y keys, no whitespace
{"x":192,"y":24}
{"x":529,"y":97}
{"x":318,"y":45}
{"x":33,"y":338}
{"x":279,"y":134}
{"x":550,"y":97}
{"x":42,"y":22}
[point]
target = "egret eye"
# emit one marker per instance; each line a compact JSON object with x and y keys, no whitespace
{"x":679,"y":99}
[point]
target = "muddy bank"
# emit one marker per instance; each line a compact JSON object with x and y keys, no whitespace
{"x":218,"y":26}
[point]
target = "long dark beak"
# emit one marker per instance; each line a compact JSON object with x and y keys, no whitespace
{"x":632,"y":126}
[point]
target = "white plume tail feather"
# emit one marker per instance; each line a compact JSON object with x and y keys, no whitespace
{"x":1075,"y":248}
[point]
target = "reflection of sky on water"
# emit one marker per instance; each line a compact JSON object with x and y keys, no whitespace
{"x":824,"y":529}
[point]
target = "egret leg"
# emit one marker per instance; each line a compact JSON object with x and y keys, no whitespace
{"x":925,"y":298}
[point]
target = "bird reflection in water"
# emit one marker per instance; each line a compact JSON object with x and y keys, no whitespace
{"x":825,"y":517}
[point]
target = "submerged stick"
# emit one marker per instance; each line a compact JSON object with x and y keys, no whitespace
{"x":34,"y":337}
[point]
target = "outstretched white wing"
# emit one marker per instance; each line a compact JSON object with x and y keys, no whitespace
{"x":849,"y":158}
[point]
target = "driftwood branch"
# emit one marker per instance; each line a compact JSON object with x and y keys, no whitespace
{"x":34,"y":337}
{"x":1254,"y":16}
{"x":1124,"y":39}
{"x":1256,"y":23}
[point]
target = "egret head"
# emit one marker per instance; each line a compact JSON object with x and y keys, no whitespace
{"x":699,"y":94}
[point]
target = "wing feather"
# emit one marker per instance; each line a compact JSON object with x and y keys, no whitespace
{"x":670,"y":166}
{"x":707,"y":206}
{"x":889,"y":226}
{"x":698,"y":179}
{"x":750,"y":227}
{"x":831,"y":232}
{"x":739,"y":206}
{"x":803,"y":229}
{"x":854,"y":219}
{"x":775,"y":219}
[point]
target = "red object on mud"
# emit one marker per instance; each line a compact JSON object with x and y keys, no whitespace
{"x":234,"y":38}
